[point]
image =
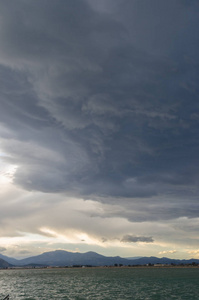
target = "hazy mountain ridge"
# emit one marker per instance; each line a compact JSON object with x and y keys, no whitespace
{"x":4,"y":264}
{"x":65,"y":258}
{"x":10,"y":260}
{"x":162,"y":260}
{"x":62,"y":258}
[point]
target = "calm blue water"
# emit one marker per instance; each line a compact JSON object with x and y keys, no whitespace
{"x":91,"y":283}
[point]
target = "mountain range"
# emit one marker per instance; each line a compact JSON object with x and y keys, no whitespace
{"x":65,"y":258}
{"x":4,"y":264}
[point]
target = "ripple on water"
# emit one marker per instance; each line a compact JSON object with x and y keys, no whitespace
{"x":98,"y":284}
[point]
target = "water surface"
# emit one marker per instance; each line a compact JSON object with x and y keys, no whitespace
{"x":97,"y":283}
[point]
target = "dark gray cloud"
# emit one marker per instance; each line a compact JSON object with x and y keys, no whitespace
{"x":102,"y":100}
{"x":24,"y":252}
{"x":150,"y":209}
{"x":135,"y":239}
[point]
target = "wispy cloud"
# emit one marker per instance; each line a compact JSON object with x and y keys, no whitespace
{"x":2,"y":249}
{"x":167,"y":252}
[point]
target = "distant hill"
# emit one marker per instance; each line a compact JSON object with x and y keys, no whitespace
{"x":4,"y":264}
{"x":134,"y":257}
{"x":65,"y":258}
{"x":10,"y":260}
{"x":163,"y":260}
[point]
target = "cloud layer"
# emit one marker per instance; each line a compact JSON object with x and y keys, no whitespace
{"x":99,"y":101}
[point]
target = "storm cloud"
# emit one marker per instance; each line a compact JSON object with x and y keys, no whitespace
{"x":99,"y":101}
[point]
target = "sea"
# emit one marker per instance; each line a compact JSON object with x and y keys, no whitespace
{"x":100,"y":283}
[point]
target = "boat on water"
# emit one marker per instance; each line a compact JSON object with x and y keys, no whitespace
{"x":6,"y":298}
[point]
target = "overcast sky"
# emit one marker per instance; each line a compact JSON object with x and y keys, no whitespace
{"x":99,"y":127}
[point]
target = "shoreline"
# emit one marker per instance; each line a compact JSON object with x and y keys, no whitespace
{"x":102,"y":267}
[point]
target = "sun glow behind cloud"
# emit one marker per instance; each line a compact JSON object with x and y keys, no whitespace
{"x":7,"y":170}
{"x":67,"y":237}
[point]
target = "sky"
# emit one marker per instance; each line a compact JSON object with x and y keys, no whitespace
{"x":99,"y":127}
